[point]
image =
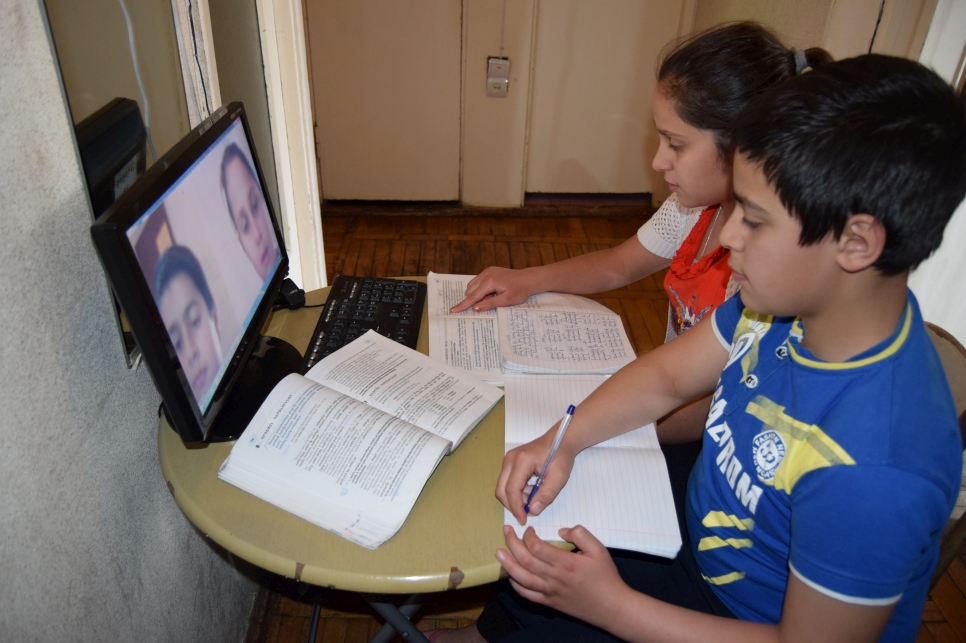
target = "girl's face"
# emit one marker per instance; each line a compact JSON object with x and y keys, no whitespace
{"x":250,"y":215}
{"x":192,"y":331}
{"x":688,"y":157}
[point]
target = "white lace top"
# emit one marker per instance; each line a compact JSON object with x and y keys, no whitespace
{"x":664,"y":232}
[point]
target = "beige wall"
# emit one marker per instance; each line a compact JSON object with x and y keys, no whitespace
{"x":495,"y":129}
{"x":800,"y":23}
{"x":95,"y":60}
{"x":238,"y":54}
{"x":577,"y":117}
{"x":386,"y":80}
{"x":591,"y":125}
{"x":843,"y":27}
{"x":92,"y":545}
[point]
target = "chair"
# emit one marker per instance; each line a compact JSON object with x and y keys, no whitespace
{"x":953,"y":357}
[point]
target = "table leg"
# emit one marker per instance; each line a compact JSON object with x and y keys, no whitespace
{"x":314,"y":625}
{"x":397,"y":618}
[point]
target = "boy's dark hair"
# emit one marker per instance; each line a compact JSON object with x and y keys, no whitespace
{"x":178,"y":260}
{"x":231,"y":153}
{"x":710,"y":76}
{"x":875,"y":134}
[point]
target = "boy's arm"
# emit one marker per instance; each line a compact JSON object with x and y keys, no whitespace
{"x":586,"y":584}
{"x":589,"y":273}
{"x":644,"y":390}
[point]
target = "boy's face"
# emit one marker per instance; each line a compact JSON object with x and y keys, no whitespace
{"x":777,"y":275}
{"x":192,"y":331}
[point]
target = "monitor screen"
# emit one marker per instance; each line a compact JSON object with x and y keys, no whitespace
{"x":207,"y":248}
{"x":196,"y":259}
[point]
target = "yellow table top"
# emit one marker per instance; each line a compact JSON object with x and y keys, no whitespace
{"x":447,"y":542}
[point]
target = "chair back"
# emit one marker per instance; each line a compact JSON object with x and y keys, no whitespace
{"x":953,"y":358}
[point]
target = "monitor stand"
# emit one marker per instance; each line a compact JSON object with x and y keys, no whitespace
{"x":270,"y":361}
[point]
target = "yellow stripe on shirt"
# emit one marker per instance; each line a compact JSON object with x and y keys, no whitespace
{"x":713,"y":542}
{"x":724,"y":580}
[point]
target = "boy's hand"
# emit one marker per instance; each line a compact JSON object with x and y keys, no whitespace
{"x":495,"y":287}
{"x":523,"y":462}
{"x":585,"y":583}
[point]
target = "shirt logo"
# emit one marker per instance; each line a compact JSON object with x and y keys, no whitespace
{"x":769,"y":450}
{"x":740,"y":346}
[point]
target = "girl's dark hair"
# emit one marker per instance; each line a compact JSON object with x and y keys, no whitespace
{"x":231,"y":153}
{"x":711,"y":75}
{"x":178,"y":260}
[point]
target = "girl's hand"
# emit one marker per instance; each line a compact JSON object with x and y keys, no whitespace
{"x":495,"y":287}
{"x":584,"y":583}
{"x":524,"y":462}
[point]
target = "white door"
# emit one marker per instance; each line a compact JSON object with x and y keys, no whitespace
{"x":591,"y":127}
{"x":386,"y":86}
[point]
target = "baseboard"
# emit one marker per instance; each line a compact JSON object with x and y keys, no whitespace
{"x":559,"y":208}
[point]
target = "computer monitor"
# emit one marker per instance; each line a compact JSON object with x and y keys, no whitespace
{"x":195,"y":257}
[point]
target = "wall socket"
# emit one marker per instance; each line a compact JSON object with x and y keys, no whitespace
{"x":497,"y":77}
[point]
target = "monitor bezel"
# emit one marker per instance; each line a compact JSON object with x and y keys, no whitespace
{"x":134,"y":294}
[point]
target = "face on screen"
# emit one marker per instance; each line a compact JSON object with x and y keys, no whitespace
{"x":192,"y":327}
{"x":249,"y":213}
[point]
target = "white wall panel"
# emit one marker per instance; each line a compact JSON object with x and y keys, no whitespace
{"x":591,"y":126}
{"x":386,"y":79}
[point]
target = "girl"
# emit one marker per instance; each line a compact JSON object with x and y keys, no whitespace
{"x":703,"y":83}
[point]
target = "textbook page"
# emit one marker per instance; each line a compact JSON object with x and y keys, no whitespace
{"x":618,"y":489}
{"x":408,"y":385}
{"x":561,"y":333}
{"x":467,"y":340}
{"x":334,"y":461}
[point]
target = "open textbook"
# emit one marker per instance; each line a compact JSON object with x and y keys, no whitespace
{"x":618,"y":489}
{"x":548,"y":333}
{"x":350,"y":445}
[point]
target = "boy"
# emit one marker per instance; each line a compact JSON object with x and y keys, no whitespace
{"x":831,"y":455}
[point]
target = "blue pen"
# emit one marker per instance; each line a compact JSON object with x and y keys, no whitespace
{"x":564,"y":423}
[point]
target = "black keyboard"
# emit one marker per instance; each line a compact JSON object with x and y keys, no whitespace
{"x":391,"y":307}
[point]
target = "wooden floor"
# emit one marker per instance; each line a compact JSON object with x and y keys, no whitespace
{"x":390,"y":241}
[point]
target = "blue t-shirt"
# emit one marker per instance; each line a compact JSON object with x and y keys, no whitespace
{"x":841,"y":473}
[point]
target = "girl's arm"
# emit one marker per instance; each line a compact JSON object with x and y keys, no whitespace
{"x":644,"y":390}
{"x":590,"y":273}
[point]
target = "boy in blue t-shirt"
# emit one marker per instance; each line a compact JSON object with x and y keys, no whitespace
{"x":831,"y":456}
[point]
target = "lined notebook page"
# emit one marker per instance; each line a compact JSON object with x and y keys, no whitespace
{"x":619,"y":489}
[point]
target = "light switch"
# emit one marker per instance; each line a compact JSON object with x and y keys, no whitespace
{"x":498,"y":68}
{"x":497,"y":77}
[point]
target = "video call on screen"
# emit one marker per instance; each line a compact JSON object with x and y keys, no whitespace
{"x":207,"y":250}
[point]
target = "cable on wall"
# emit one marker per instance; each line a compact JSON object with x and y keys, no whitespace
{"x":877,"y":21}
{"x":194,"y":51}
{"x":137,"y":74}
{"x":502,"y":28}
